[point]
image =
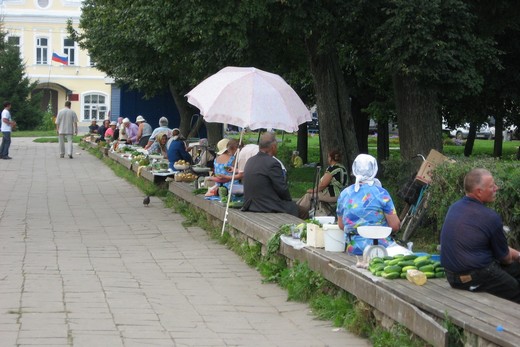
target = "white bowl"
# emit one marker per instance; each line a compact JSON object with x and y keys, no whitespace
{"x":181,"y":167}
{"x":374,"y":231}
{"x":200,"y":169}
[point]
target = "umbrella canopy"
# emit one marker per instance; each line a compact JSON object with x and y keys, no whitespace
{"x":249,"y":98}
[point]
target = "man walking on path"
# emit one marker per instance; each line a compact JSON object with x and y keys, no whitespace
{"x":7,"y":127}
{"x":66,"y":125}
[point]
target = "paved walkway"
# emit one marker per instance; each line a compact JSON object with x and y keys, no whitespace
{"x":83,"y":263}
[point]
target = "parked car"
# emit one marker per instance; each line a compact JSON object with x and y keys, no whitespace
{"x":483,"y":132}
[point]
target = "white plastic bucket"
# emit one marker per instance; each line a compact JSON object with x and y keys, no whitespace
{"x":334,"y":238}
{"x":325,"y":219}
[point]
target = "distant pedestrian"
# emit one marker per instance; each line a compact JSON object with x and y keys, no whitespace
{"x":66,"y":126}
{"x":7,"y":126}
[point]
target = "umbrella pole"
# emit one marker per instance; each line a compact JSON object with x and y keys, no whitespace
{"x":231,"y":185}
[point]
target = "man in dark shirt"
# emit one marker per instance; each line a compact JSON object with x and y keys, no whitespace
{"x":265,"y":182}
{"x":474,"y":250}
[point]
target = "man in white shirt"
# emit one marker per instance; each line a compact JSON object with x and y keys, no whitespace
{"x":66,"y":126}
{"x":7,"y":126}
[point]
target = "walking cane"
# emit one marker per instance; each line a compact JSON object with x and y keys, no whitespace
{"x":314,"y":196}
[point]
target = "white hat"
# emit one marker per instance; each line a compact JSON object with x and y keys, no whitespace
{"x":113,"y":122}
{"x":126,"y":120}
{"x":365,"y":170}
{"x":140,"y":119}
{"x":222,"y":146}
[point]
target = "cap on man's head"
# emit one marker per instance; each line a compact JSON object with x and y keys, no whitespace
{"x":113,"y":123}
{"x":126,"y":120}
{"x":222,"y":146}
{"x":140,"y":119}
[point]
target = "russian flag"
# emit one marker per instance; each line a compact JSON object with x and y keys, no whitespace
{"x":63,"y":59}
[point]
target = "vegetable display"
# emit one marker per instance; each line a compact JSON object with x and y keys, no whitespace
{"x":397,"y":266}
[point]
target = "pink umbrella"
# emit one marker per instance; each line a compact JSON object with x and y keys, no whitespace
{"x":248,"y":98}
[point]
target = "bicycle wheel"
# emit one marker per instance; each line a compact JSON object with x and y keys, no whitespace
{"x":415,"y":219}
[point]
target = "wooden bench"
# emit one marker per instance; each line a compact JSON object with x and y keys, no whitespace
{"x":421,"y":309}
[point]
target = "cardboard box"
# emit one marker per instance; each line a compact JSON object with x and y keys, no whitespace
{"x":432,"y":160}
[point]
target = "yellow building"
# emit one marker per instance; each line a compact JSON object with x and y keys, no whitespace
{"x":39,"y":29}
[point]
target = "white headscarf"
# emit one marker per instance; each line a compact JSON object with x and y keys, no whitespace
{"x":365,"y":170}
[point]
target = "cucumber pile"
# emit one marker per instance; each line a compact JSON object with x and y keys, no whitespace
{"x":396,"y":267}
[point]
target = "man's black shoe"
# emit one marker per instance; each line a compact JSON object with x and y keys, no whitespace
{"x":8,"y":157}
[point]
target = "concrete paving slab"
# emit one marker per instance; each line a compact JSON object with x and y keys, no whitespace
{"x":83,"y":263}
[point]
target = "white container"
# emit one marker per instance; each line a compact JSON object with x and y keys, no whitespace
{"x":315,"y":236}
{"x":325,"y":219}
{"x":334,"y":238}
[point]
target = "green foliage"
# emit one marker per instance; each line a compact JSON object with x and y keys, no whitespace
{"x":16,"y":87}
{"x":332,"y":307}
{"x":447,"y":187}
{"x":301,"y":282}
{"x":396,"y":336}
{"x":47,"y":122}
{"x":456,"y":337}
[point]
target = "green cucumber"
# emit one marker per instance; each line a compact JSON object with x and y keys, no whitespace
{"x":430,"y":274}
{"x":427,"y":268}
{"x":439,"y":269}
{"x":422,"y":258}
{"x":409,"y":257}
{"x":422,"y":263}
{"x":391,"y":275}
{"x":411,"y":267}
{"x":394,"y":261}
{"x":440,"y":274}
{"x":406,"y":263}
{"x":376,"y":260}
{"x":392,"y":268}
{"x":379,"y":273}
{"x":403,"y":275}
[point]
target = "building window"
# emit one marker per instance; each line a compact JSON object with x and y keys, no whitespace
{"x":42,"y":51}
{"x":94,"y":106}
{"x":69,"y":49}
{"x":43,"y":3}
{"x":14,"y":41}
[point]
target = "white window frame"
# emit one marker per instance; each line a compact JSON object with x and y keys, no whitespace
{"x":37,"y":47}
{"x":84,"y":105}
{"x":65,"y":50}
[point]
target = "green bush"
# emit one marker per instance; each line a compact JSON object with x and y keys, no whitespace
{"x":447,"y":187}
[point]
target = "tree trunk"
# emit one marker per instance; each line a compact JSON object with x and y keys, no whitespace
{"x":332,"y":98}
{"x":418,"y":117}
{"x":361,"y":123}
{"x":470,"y":141}
{"x":383,"y":141}
{"x":303,"y":142}
{"x":215,"y":132}
{"x":184,"y":112}
{"x":499,"y":136}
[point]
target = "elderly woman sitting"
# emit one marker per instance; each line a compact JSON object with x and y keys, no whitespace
{"x":225,"y":161}
{"x":330,"y":186}
{"x":365,"y":203}
{"x":159,"y":145}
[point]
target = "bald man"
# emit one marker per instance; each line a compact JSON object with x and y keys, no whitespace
{"x":474,"y":249}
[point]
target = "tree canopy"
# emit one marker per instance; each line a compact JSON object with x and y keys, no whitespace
{"x":16,"y":87}
{"x":418,"y":57}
